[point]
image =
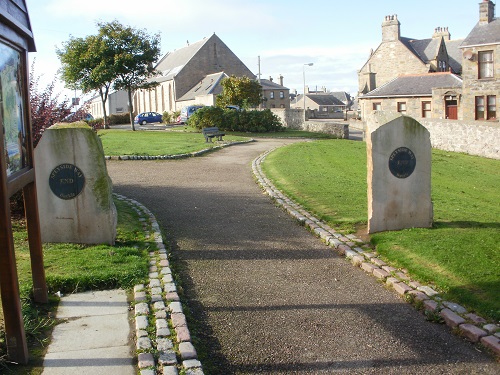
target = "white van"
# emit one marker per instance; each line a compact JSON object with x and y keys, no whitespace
{"x":186,"y":112}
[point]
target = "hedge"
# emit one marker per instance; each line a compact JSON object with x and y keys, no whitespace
{"x":233,"y":120}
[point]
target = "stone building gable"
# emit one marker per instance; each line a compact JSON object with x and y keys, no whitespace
{"x":389,"y":60}
{"x":189,"y":65}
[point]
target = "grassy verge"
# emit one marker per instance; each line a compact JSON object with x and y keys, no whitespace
{"x":179,"y":140}
{"x":153,"y":143}
{"x":459,"y":254}
{"x":75,"y":268}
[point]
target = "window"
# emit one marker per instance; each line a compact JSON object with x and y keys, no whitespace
{"x":426,"y":109}
{"x":402,"y":107}
{"x":486,"y":107}
{"x":282,"y":95}
{"x":377,"y":106}
{"x":119,"y":109}
{"x":485,"y":64}
{"x":271,"y":94}
{"x":479,"y":107}
{"x":492,"y":107}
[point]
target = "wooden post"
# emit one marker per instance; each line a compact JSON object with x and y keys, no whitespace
{"x":9,"y":283}
{"x":35,"y":243}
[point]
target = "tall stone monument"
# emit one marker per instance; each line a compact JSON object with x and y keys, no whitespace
{"x":399,"y":173}
{"x":74,"y":189}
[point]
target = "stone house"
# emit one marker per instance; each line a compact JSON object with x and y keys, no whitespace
{"x":437,"y":96}
{"x":397,"y":55}
{"x":481,"y":67}
{"x":190,"y":75}
{"x":275,"y":95}
{"x":428,"y":95}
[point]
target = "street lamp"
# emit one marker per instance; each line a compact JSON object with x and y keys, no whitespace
{"x":304,"y":95}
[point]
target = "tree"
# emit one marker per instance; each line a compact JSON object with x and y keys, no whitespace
{"x":87,"y":64}
{"x":134,"y":52}
{"x":46,"y":109}
{"x":241,"y":91}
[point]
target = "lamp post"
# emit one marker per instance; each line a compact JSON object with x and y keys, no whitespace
{"x":304,"y":95}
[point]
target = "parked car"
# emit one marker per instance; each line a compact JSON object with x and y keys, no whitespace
{"x":186,"y":112}
{"x":147,"y":118}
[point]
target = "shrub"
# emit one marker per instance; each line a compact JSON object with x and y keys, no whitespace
{"x":166,"y":117}
{"x":123,"y":118}
{"x":233,"y":120}
{"x":207,"y":117}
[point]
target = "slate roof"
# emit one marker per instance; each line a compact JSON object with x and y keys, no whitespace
{"x":269,"y":85}
{"x":342,"y":96}
{"x":325,"y":99}
{"x":173,"y":62}
{"x":425,"y":49}
{"x":210,"y":84}
{"x":15,"y":14}
{"x":415,"y":85}
{"x":488,"y":33}
{"x":454,"y":54}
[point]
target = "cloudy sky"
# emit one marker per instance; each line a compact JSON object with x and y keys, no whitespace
{"x":336,"y":36}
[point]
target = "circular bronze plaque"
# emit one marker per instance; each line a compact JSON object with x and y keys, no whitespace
{"x":66,"y":181}
{"x":402,"y":162}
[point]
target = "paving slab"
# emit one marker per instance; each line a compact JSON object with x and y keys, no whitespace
{"x":93,"y":336}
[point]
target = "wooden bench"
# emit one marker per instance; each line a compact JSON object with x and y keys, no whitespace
{"x":213,"y":132}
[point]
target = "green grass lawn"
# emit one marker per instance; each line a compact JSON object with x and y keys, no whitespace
{"x":177,"y":140}
{"x":73,"y":268}
{"x":154,"y":143}
{"x":460,"y":255}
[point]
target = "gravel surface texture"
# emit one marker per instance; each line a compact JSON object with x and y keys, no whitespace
{"x":265,"y":295}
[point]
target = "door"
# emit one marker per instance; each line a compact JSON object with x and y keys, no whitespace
{"x":451,"y":110}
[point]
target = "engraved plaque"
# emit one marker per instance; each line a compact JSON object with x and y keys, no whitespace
{"x":66,"y":181}
{"x":402,"y":162}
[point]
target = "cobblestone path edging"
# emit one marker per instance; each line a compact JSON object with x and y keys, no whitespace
{"x":177,"y":156}
{"x":471,"y":326}
{"x":162,"y":335}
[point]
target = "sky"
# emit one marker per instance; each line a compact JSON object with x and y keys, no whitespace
{"x":336,"y":36}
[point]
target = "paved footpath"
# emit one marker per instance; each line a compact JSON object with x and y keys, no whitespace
{"x":266,"y":296}
{"x":93,"y":336}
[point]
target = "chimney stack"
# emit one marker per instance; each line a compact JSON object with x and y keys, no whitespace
{"x":270,"y":78}
{"x":441,"y":32}
{"x":391,"y":29}
{"x":486,"y":12}
{"x":281,"y":80}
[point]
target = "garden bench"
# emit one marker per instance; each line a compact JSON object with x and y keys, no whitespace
{"x":213,"y":132}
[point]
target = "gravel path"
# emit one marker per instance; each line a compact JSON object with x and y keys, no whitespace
{"x":268,"y":297}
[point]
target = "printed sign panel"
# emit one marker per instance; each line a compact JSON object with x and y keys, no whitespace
{"x":12,"y":109}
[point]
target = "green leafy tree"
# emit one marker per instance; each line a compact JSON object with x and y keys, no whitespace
{"x":241,"y":91}
{"x":118,"y":56}
{"x":87,"y":64}
{"x":134,"y":52}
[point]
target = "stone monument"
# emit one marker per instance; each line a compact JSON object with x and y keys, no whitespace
{"x":73,"y":186}
{"x":399,"y":173}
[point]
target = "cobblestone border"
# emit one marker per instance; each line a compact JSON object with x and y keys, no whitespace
{"x":177,"y":156}
{"x":471,"y":326}
{"x":162,"y":335}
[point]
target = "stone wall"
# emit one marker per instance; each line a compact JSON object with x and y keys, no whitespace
{"x":472,"y":137}
{"x":294,"y":119}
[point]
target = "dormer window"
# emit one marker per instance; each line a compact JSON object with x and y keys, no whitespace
{"x":485,"y":62}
